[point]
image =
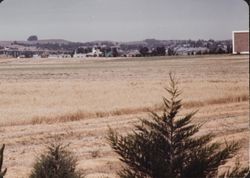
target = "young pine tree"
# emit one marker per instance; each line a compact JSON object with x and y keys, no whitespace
{"x":236,"y":172}
{"x":167,"y":147}
{"x":57,"y":162}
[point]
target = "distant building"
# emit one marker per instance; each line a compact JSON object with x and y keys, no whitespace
{"x":133,"y":53}
{"x":59,"y":56}
{"x":79,"y":55}
{"x":240,"y":42}
{"x":96,"y":52}
{"x":13,"y":52}
{"x":36,"y":56}
{"x":184,"y":51}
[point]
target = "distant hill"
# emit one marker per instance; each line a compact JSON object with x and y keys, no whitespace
{"x":174,"y":47}
{"x":45,"y":41}
{"x":53,"y":41}
{"x":146,"y":42}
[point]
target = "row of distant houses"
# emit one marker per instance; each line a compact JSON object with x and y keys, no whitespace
{"x":240,"y":45}
{"x":95,"y":52}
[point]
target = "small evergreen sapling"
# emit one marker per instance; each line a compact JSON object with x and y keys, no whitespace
{"x":168,"y":147}
{"x":57,"y":162}
{"x":236,"y":172}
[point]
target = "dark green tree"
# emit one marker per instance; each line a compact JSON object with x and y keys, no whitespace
{"x":169,"y":147}
{"x":161,"y":51}
{"x":57,"y":162}
{"x":115,"y":52}
{"x":32,"y":38}
{"x":171,"y":52}
{"x":144,"y":51}
{"x":2,"y":173}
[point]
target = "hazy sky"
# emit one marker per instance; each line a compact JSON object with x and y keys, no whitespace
{"x":121,"y":20}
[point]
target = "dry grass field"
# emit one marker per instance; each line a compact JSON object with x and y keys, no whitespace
{"x":75,"y":101}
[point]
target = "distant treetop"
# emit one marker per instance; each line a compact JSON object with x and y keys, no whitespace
{"x":32,"y":38}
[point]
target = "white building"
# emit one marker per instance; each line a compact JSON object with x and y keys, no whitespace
{"x":36,"y":56}
{"x":59,"y":56}
{"x":79,"y":55}
{"x":95,"y":53}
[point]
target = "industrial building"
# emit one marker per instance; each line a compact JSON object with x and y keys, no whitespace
{"x":240,"y":41}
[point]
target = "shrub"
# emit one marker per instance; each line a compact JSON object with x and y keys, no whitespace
{"x":57,"y":162}
{"x":168,"y":147}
